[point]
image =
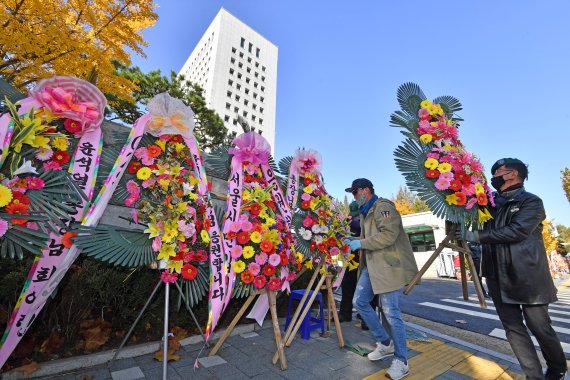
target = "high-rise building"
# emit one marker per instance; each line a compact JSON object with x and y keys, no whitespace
{"x":237,"y":68}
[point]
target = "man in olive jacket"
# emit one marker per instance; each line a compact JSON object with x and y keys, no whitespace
{"x":387,"y":264}
{"x":515,"y":264}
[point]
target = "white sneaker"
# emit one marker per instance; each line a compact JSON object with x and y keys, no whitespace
{"x":397,"y":370}
{"x":381,"y":351}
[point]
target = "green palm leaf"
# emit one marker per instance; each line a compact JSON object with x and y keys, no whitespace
{"x":116,"y":245}
{"x":285,"y":165}
{"x":410,"y":95}
{"x":218,"y":162}
{"x":450,"y":106}
{"x":19,"y":238}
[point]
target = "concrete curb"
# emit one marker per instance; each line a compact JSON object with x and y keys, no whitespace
{"x":66,"y":365}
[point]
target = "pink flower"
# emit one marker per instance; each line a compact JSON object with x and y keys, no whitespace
{"x":274,"y":283}
{"x":130,"y":201}
{"x":187,"y":229}
{"x":148,"y":183}
{"x":448,"y":176}
{"x":423,"y":113}
{"x":254,"y":268}
{"x":306,"y":197}
{"x":51,"y":165}
{"x":235,"y":226}
{"x":168,"y":277}
{"x":308,"y":221}
{"x":246,"y":226}
{"x":261,"y":258}
{"x":156,"y":244}
{"x":274,"y":259}
{"x":433,"y":155}
{"x":250,"y":169}
{"x":32,"y":226}
{"x":44,"y":154}
{"x":132,"y":187}
{"x":236,"y":252}
{"x":135,"y":215}
{"x":141,"y":152}
{"x":469,"y":189}
{"x":3,"y":227}
{"x":35,"y":183}
{"x":470,"y":203}
{"x":147,"y":161}
{"x":334,"y":251}
{"x":441,"y":184}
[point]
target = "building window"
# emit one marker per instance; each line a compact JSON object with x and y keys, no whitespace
{"x":262,"y":78}
{"x":229,"y":94}
{"x":248,"y":70}
{"x":233,"y":60}
{"x":236,"y":109}
{"x":261,"y":98}
{"x":230,"y":82}
{"x":257,"y":52}
{"x":253,"y":117}
{"x":238,"y":86}
{"x":247,"y":80}
{"x":263,"y":68}
{"x":226,"y":118}
{"x":262,"y":89}
{"x":254,"y":106}
{"x":240,"y":65}
{"x":248,"y":59}
{"x":250,"y":47}
{"x":256,"y":74}
{"x":233,"y":50}
{"x":422,"y":241}
{"x":242,"y":42}
{"x":231,"y":71}
{"x":228,"y":105}
{"x":237,"y":98}
{"x":247,"y":91}
{"x":241,"y":55}
{"x":239,"y":76}
{"x":255,"y":84}
{"x":234,"y":122}
{"x":261,"y":109}
{"x":256,"y":64}
{"x":260,"y":121}
{"x":254,"y":95}
{"x":246,"y":102}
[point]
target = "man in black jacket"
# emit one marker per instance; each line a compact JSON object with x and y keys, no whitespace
{"x":515,"y":265}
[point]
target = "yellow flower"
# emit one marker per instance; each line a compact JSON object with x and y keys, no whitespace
{"x":255,"y":237}
{"x":272,"y":236}
{"x":60,"y":143}
{"x":309,"y":264}
{"x":246,"y":195}
{"x":205,"y":237}
{"x":152,"y":230}
{"x":193,"y":181}
{"x":299,"y":256}
{"x":166,"y":251}
{"x":175,"y":265}
{"x":438,"y":109}
{"x":248,"y":252}
{"x":192,"y":196}
{"x":308,"y":189}
{"x":238,"y":266}
{"x":175,"y":170}
{"x":451,"y":199}
{"x":431,"y":163}
{"x":479,"y":188}
{"x":144,"y":173}
{"x":426,"y":138}
{"x":270,"y":221}
{"x":169,"y":234}
{"x":161,"y":144}
{"x":178,"y":147}
{"x":40,"y":142}
{"x":444,"y":167}
{"x":163,"y":182}
{"x":5,"y":195}
{"x":352,"y":265}
{"x":314,"y":203}
{"x":425,"y":103}
{"x":181,"y":207}
{"x":484,"y":215}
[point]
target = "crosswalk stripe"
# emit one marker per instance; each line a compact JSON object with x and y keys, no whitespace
{"x":557,"y":319}
{"x":500,"y":333}
{"x":473,"y":313}
{"x":556,"y":305}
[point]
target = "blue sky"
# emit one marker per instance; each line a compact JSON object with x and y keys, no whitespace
{"x":340,"y":64}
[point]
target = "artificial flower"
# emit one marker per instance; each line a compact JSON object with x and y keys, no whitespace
{"x":144,"y":173}
{"x":72,"y":126}
{"x":431,"y":163}
{"x":274,"y":284}
{"x":259,"y":281}
{"x":168,"y":277}
{"x":426,"y":138}
{"x":248,"y":252}
{"x":3,"y":227}
{"x":5,"y":195}
{"x":189,"y":272}
{"x":238,"y":266}
{"x":254,"y":268}
{"x":247,"y":277}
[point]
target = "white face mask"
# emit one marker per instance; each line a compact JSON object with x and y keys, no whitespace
{"x":361,"y":201}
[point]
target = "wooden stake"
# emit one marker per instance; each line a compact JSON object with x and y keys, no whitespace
{"x":331,"y":302}
{"x":232,"y":324}
{"x":276,"y":330}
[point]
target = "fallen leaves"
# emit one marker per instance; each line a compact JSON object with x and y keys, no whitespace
{"x":173,"y":346}
{"x":50,"y":345}
{"x":96,"y":333}
{"x":29,"y":368}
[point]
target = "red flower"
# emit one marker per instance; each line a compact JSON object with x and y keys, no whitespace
{"x":61,"y":157}
{"x":255,"y":209}
{"x":317,"y":192}
{"x":306,"y":205}
{"x":189,"y":272}
{"x":207,"y":224}
{"x":331,"y":242}
{"x":66,"y":240}
{"x":154,"y":151}
{"x":72,"y":126}
{"x":270,"y":204}
{"x":463,"y":177}
{"x":455,"y":185}
{"x":134,"y":167}
{"x":176,"y":138}
{"x":322,"y":247}
{"x":18,"y":197}
{"x":322,"y":213}
{"x":259,"y":281}
{"x":460,"y":198}
{"x":284,"y":259}
{"x":307,"y":181}
{"x":231,"y":235}
{"x":274,"y":283}
{"x":268,"y":270}
{"x":482,"y":199}
{"x":312,"y":246}
{"x":345,"y":248}
{"x":246,"y":277}
{"x":201,"y":255}
{"x":266,"y":246}
{"x":18,"y":209}
{"x":432,"y":174}
{"x":243,"y":237}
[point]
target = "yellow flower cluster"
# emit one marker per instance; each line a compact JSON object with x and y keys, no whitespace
{"x":434,"y":109}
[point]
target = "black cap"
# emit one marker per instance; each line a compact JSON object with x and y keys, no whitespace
{"x":359,"y":183}
{"x":505,"y":161}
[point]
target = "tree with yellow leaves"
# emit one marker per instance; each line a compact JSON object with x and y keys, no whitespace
{"x":407,"y":202}
{"x":550,"y":240}
{"x":43,"y":38}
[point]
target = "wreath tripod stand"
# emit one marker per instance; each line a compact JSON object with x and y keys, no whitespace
{"x":165,"y":331}
{"x":464,"y":255}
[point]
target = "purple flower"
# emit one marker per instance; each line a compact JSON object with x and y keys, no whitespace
{"x":274,"y":259}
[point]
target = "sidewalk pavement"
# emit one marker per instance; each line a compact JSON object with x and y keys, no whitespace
{"x":248,"y":353}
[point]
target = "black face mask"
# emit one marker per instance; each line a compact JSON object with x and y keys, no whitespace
{"x":497,"y":182}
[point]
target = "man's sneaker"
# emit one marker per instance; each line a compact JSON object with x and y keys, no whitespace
{"x":397,"y":370}
{"x":381,"y":351}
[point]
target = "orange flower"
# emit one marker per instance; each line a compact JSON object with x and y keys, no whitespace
{"x":18,"y":209}
{"x":255,"y":209}
{"x":246,"y":277}
{"x":455,"y":185}
{"x":66,"y":240}
{"x":307,"y":181}
{"x":482,"y":199}
{"x":154,"y":151}
{"x":460,"y":198}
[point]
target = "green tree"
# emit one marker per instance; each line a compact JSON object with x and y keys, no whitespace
{"x":566,"y":182}
{"x":209,"y":130}
{"x":408,"y":202}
